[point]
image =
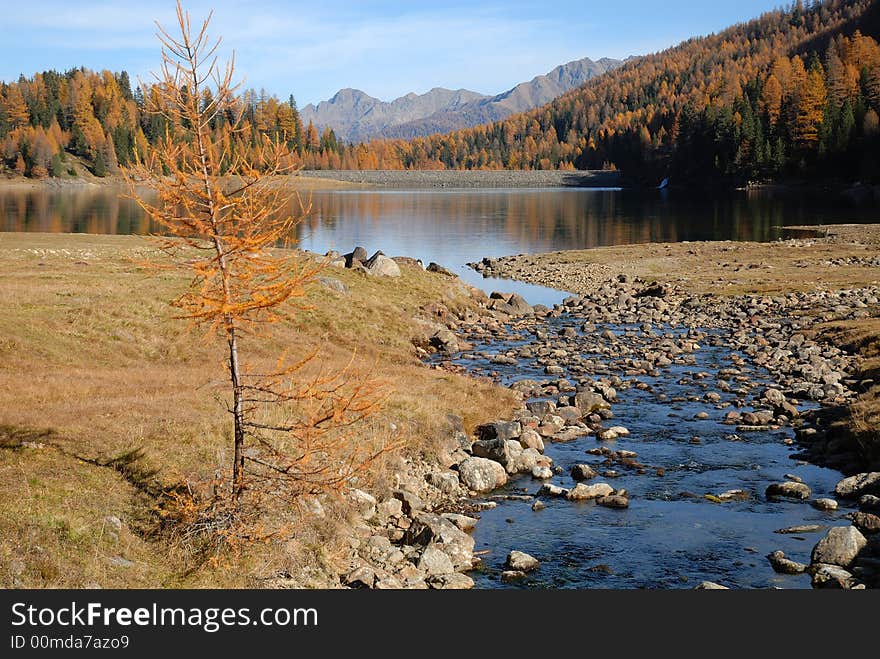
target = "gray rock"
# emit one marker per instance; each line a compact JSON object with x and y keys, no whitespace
{"x":613,"y":501}
{"x":464,"y":522}
{"x":710,"y":585}
{"x":365,"y":503}
{"x":541,"y":407}
{"x":333,"y":284}
{"x":868,"y":523}
{"x":531,"y":439}
{"x":774,"y":397}
{"x":856,"y":486}
{"x":587,"y":401}
{"x":358,"y":255}
{"x":428,"y":528}
{"x":510,"y":576}
{"x":520,"y":561}
{"x":789,"y":490}
{"x":411,"y":503}
{"x":541,"y":472}
{"x":361,"y":577}
{"x":801,"y":528}
{"x":840,"y":546}
{"x":582,"y":492}
{"x":500,"y":430}
{"x":831,"y":576}
{"x":582,"y":472}
{"x":783,"y":565}
{"x":445,"y":481}
{"x":381,"y":266}
{"x":435,"y":561}
{"x":549,"y":489}
{"x":452,"y":581}
{"x":824,"y":504}
{"x":482,"y":475}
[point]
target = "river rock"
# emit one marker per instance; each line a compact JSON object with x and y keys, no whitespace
{"x":464,"y":522}
{"x":541,"y":407}
{"x":520,"y":561}
{"x":541,"y":472}
{"x":583,"y":492}
{"x":784,"y":565}
{"x":499,"y":430}
{"x":445,"y":481}
{"x":451,"y":581}
{"x":789,"y":490}
{"x":831,"y":576}
{"x":868,"y":523}
{"x":775,"y":397}
{"x":856,"y":486}
{"x":710,"y":585}
{"x":840,"y":546}
{"x":429,"y":528}
{"x":869,"y":503}
{"x":824,"y":504}
{"x":582,"y":472}
{"x":550,"y":489}
{"x":529,"y":438}
{"x":613,"y":501}
{"x":587,"y":401}
{"x":510,"y":576}
{"x":482,"y":475}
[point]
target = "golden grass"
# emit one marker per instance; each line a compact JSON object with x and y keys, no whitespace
{"x":90,"y":349}
{"x":722,"y":268}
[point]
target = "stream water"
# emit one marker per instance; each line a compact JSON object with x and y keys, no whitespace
{"x":671,"y":536}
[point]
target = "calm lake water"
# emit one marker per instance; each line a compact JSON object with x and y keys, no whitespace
{"x":454,"y":227}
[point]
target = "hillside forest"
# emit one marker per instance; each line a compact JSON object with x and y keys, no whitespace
{"x":794,"y":93}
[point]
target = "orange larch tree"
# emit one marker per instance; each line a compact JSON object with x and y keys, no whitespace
{"x":228,"y":219}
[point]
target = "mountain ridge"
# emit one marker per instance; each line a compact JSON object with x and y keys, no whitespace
{"x":356,"y":116}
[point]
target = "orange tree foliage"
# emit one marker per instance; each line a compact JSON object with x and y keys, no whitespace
{"x":745,"y":102}
{"x":232,"y":228}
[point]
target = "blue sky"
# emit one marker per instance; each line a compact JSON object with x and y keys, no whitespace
{"x":384,"y":47}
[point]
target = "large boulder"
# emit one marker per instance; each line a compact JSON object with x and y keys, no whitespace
{"x":831,"y":576}
{"x":435,"y":561}
{"x":431,"y":529}
{"x":482,"y":474}
{"x":357,"y":256}
{"x":856,"y":486}
{"x":840,"y":546}
{"x":382,"y":266}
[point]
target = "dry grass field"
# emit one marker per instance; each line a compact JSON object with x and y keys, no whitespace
{"x":93,"y":366}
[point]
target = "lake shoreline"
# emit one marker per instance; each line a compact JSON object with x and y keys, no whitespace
{"x":377,"y":179}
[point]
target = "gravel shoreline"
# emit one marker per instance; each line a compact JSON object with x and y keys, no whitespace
{"x":471,"y":178}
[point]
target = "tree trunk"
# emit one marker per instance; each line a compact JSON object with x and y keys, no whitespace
{"x":238,"y":415}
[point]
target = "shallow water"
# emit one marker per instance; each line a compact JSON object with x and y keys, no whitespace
{"x":670,"y":536}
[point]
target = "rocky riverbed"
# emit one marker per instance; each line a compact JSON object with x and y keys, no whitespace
{"x":663,"y":440}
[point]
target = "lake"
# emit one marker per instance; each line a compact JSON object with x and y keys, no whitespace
{"x":454,"y":227}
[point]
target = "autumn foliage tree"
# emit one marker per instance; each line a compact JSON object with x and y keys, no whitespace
{"x":231,"y":225}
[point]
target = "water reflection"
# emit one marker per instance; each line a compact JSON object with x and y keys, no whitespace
{"x":454,"y":227}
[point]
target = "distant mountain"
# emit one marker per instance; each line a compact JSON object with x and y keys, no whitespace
{"x":356,"y":116}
